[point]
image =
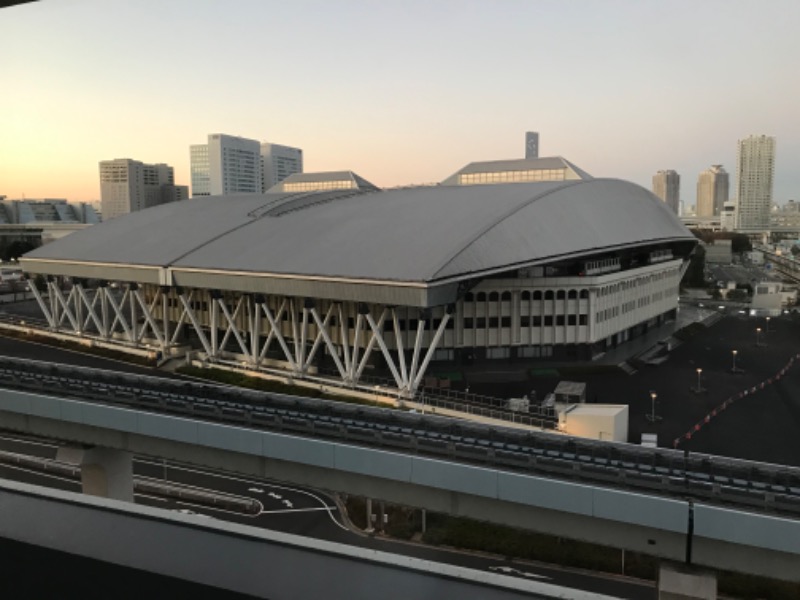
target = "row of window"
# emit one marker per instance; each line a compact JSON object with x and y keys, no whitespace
{"x":512,"y":176}
{"x":312,"y":186}
{"x":633,"y":284}
{"x":526,"y":295}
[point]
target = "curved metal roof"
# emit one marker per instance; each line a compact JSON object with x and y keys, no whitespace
{"x":418,"y":235}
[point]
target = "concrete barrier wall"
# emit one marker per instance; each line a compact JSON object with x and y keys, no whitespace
{"x":624,"y":519}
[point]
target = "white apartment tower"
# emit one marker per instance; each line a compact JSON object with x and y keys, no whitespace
{"x":225,"y":165}
{"x":755,"y":170}
{"x":128,"y":185}
{"x":713,"y":188}
{"x":278,"y":162}
{"x":667,"y":186}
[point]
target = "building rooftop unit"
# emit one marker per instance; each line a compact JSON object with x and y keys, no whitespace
{"x":554,"y":168}
{"x":323,"y":181}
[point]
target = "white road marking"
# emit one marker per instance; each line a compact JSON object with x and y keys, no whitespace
{"x":328,"y":508}
{"x":512,"y":571}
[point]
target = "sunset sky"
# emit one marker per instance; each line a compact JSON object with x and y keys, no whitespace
{"x":401,"y":92}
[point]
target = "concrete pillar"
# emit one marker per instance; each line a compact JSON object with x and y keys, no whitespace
{"x":369,"y":528}
{"x":685,"y":582}
{"x":104,"y":472}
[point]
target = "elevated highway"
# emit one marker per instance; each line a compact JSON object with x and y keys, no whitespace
{"x":721,"y":513}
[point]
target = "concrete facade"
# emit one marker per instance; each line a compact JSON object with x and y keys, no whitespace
{"x":226,"y":164}
{"x":278,"y":162}
{"x":755,"y":170}
{"x":667,"y":186}
{"x":128,"y":185}
{"x":713,"y":188}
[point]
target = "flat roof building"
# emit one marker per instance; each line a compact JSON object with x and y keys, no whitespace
{"x":667,"y":186}
{"x":128,"y":185}
{"x":278,"y":162}
{"x":713,"y":188}
{"x":227,"y":164}
{"x":755,"y":170}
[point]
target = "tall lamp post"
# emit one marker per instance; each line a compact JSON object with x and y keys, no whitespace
{"x":758,"y":336}
{"x":699,"y":387}
{"x":733,"y":368}
{"x":652,"y":416}
{"x":767,"y":327}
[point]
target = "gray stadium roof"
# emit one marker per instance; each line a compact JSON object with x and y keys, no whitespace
{"x":406,"y":246}
{"x":519,"y":164}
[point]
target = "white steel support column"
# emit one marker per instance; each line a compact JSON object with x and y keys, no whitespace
{"x":45,"y":311}
{"x":401,"y":355}
{"x":323,"y":330}
{"x":213,"y":324}
{"x":356,"y":347}
{"x":134,"y":317}
{"x":103,"y":291}
{"x":53,"y":304}
{"x":386,"y":354}
{"x":90,"y":309}
{"x":254,"y":322}
{"x":293,"y":323}
{"x":119,"y":317}
{"x":148,"y":317}
{"x":200,"y":333}
{"x":64,"y":305}
{"x":417,"y":347}
{"x":182,"y":319}
{"x":232,"y":327}
{"x":370,"y":346}
{"x":165,"y":317}
{"x":344,"y":342}
{"x":429,"y":354}
{"x":77,"y":307}
{"x":301,"y":358}
{"x":276,"y":333}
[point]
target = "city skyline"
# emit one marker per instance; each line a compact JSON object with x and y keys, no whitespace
{"x":441,"y":85}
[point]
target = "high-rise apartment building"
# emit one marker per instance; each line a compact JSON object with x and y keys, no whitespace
{"x":713,"y":188}
{"x":532,"y":144}
{"x":278,"y":162}
{"x":667,"y":186}
{"x":755,"y":170}
{"x":128,"y":185}
{"x":225,"y":165}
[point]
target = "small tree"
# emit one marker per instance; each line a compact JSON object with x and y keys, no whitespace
{"x":737,"y":295}
{"x":795,"y":250}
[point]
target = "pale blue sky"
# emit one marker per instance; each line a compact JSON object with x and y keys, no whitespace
{"x":400,"y":92}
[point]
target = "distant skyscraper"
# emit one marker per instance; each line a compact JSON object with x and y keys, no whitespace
{"x":128,"y":185}
{"x":225,"y":165}
{"x":667,"y":186}
{"x":755,"y":170}
{"x":712,"y":191}
{"x":532,"y":144}
{"x":278,"y":162}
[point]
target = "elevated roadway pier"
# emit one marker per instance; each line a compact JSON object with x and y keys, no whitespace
{"x":668,"y":527}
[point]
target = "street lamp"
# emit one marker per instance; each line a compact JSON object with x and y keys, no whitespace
{"x":767,"y":328}
{"x":758,"y":336}
{"x":652,"y":416}
{"x":699,"y":387}
{"x":733,"y":368}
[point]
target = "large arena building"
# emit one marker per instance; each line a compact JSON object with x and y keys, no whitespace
{"x":340,"y":281}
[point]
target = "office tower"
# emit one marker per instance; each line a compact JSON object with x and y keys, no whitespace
{"x":278,"y":162}
{"x":225,"y":165}
{"x":128,"y":185}
{"x":755,"y":170}
{"x":667,"y":186}
{"x":532,"y":144}
{"x":712,"y":191}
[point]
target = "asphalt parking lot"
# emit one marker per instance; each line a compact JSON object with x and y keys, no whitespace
{"x":763,"y":426}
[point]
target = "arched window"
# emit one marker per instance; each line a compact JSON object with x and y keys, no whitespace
{"x":572,"y":294}
{"x":526,"y":295}
{"x":584,"y":294}
{"x":561,"y":294}
{"x":494,"y":297}
{"x":548,"y":295}
{"x":481,"y":297}
{"x":537,"y":295}
{"x":469,"y":297}
{"x":505,"y":296}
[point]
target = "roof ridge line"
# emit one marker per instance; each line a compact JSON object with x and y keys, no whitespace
{"x":504,"y":217}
